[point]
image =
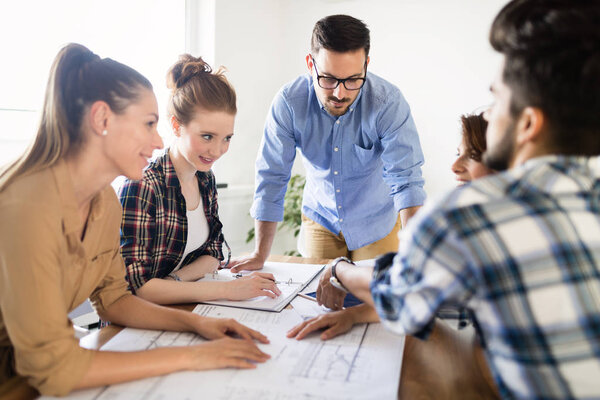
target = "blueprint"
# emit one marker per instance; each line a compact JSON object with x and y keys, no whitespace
{"x":365,"y":363}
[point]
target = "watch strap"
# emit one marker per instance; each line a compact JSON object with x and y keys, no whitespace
{"x":334,"y":280}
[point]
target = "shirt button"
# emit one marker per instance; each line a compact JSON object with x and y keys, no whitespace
{"x":335,"y":172}
{"x":337,"y":122}
{"x":339,"y":206}
{"x":337,"y":190}
{"x":335,"y":149}
{"x":341,"y":219}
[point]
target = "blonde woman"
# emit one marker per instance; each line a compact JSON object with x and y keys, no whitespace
{"x":171,"y":233}
{"x":59,"y":238}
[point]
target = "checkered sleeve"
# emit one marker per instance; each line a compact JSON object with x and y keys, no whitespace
{"x":214,"y":246}
{"x":138,"y":200}
{"x":429,"y":270}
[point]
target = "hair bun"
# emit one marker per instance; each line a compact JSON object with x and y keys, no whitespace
{"x":186,"y":68}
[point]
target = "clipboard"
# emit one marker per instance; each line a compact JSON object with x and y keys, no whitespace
{"x":291,"y":279}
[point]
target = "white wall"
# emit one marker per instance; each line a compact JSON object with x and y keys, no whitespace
{"x":435,"y":51}
{"x":147,"y":35}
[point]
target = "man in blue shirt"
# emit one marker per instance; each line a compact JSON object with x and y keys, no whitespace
{"x":521,"y":249}
{"x":359,"y":145}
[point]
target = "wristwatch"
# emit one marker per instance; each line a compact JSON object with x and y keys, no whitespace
{"x":335,"y":282}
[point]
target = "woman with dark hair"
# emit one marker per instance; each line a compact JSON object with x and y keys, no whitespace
{"x":59,"y":240}
{"x":468,"y":165}
{"x":171,"y":234}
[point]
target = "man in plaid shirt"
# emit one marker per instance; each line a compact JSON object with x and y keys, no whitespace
{"x":521,"y":249}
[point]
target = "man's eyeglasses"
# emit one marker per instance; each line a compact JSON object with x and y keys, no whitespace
{"x":329,"y":82}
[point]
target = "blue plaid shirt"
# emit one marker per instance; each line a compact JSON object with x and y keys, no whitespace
{"x":520,"y":249}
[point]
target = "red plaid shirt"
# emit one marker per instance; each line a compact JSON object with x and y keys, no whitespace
{"x":154,"y":225}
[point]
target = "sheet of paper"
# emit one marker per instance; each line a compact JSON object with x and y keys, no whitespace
{"x":291,"y":279}
{"x":300,"y":273}
{"x":362,"y":364}
{"x":307,"y":308}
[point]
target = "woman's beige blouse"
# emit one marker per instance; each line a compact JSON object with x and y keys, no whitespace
{"x":46,"y":271}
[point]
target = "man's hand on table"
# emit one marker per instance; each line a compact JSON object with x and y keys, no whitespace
{"x":327,"y":294}
{"x":334,"y":323}
{"x":251,"y":262}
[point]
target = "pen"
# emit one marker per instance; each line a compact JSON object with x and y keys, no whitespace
{"x":288,"y":282}
{"x":307,"y":297}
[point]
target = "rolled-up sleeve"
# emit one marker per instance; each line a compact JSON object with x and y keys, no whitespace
{"x":430,"y":269}
{"x":274,"y":162}
{"x":402,"y":155}
{"x":33,"y":308}
{"x":113,"y":285}
{"x":137,"y":231}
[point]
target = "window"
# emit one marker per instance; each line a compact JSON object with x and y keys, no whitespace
{"x":147,"y":35}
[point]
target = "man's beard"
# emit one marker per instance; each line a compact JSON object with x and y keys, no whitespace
{"x":337,"y":111}
{"x":500,"y":156}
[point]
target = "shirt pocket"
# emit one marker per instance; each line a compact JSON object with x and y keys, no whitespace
{"x":95,"y":269}
{"x":365,"y":158}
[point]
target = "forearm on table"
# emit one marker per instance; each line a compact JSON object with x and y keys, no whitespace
{"x":115,"y":367}
{"x":168,"y":291}
{"x":356,"y":280}
{"x":136,"y":312}
{"x":363,"y":313}
{"x":197,"y":268}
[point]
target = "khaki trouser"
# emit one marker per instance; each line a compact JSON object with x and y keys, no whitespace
{"x":319,"y":242}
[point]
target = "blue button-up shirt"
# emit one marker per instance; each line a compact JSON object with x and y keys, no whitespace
{"x":361,"y":168}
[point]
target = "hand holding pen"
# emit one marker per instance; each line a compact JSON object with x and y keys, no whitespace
{"x":288,"y":282}
{"x":253,"y":285}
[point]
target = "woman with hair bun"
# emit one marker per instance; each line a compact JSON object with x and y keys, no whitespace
{"x":59,"y":240}
{"x":171,"y":234}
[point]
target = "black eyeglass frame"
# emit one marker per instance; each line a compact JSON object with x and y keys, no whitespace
{"x":342,"y":81}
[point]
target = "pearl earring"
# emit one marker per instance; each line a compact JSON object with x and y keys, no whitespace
{"x":104,"y":132}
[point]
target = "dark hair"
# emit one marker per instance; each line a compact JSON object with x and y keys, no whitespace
{"x":473,"y":134}
{"x":552,"y":62}
{"x":77,"y":79}
{"x":340,"y":33}
{"x":194,"y":85}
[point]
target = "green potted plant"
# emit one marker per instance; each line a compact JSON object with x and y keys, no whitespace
{"x":292,"y":210}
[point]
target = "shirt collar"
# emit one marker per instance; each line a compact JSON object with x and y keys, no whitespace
{"x":553,"y":174}
{"x":171,"y":179}
{"x":66,"y":193}
{"x":568,"y":161}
